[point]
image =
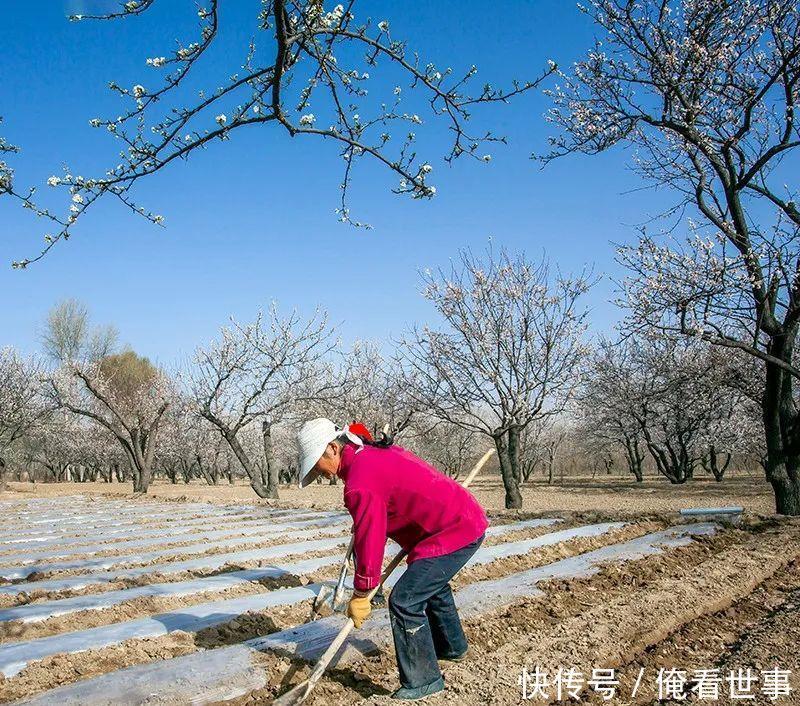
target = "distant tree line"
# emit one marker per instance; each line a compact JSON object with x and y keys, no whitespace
{"x":701,"y":372}
{"x":509,"y":366}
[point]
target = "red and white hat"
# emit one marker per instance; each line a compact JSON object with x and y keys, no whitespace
{"x":312,"y":440}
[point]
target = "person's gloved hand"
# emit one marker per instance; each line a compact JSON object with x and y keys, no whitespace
{"x":359,"y":609}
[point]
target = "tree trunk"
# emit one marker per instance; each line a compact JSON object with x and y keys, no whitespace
{"x":211,"y":475}
{"x":528,"y":468}
{"x":141,"y":479}
{"x":507,"y":453}
{"x":272,"y":479}
{"x":634,"y":458}
{"x":259,"y":488}
{"x":253,"y":472}
{"x":786,"y":485}
{"x":781,"y":430}
{"x":551,"y":462}
{"x":667,"y":460}
{"x":141,"y":470}
{"x":144,"y":479}
{"x":712,"y":465}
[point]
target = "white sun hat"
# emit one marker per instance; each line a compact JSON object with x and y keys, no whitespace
{"x":312,"y":440}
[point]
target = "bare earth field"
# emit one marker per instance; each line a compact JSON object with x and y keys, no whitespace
{"x":199,"y":595}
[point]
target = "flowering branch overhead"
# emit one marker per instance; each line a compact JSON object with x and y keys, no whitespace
{"x":310,"y":77}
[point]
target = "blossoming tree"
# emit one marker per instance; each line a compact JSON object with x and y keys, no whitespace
{"x":123,"y":393}
{"x":256,"y":374}
{"x":374,"y":390}
{"x":682,"y":399}
{"x":22,"y":405}
{"x":451,"y":448}
{"x":308,"y":71}
{"x":706,"y":92}
{"x":508,"y":353}
{"x":606,"y":404}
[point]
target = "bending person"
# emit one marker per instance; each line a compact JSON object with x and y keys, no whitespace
{"x":390,"y":492}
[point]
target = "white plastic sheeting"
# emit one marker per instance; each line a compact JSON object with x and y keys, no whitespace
{"x":224,"y":673}
{"x":151,"y":538}
{"x":497,"y":530}
{"x":72,"y":510}
{"x":35,"y":612}
{"x":524,"y":546}
{"x":14,"y":657}
{"x":96,"y":523}
{"x":80,"y":514}
{"x":329,"y":526}
{"x":212,"y":561}
{"x":119,"y":530}
{"x":101,"y":521}
{"x":309,"y":641}
{"x":89,"y":534}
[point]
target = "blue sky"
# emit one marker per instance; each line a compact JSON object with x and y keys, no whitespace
{"x":251,"y":220}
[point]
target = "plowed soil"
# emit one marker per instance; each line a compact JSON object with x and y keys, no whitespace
{"x":727,"y":602}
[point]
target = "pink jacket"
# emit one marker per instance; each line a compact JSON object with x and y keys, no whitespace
{"x":390,"y":492}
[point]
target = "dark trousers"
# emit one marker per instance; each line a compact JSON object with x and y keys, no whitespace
{"x":425,"y":622}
